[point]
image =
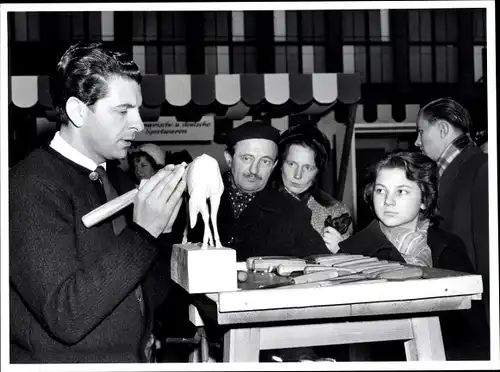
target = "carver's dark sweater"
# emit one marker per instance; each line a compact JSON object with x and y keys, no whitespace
{"x":72,"y":288}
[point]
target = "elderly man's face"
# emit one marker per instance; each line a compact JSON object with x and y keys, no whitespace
{"x":429,"y":138}
{"x":252,"y":163}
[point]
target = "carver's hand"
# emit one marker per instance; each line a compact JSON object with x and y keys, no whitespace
{"x":159,"y":199}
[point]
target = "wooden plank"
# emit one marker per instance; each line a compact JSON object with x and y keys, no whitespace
{"x":427,"y":341}
{"x":339,"y":311}
{"x":350,"y":293}
{"x":282,"y":315}
{"x":413,"y":306}
{"x":334,"y":333}
{"x":242,"y":345}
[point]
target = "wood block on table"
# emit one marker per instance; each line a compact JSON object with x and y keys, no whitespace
{"x":204,"y":270}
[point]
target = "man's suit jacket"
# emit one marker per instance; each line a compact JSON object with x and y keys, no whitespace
{"x":463,"y":205}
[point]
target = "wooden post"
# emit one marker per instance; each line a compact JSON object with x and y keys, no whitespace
{"x":346,"y":149}
{"x":242,"y":345}
{"x":427,"y":342}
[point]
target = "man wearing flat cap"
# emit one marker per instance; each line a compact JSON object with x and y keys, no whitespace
{"x":253,"y":218}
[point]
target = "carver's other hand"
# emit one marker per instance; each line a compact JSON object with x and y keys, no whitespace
{"x":159,"y":199}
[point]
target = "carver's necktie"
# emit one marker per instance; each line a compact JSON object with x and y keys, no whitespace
{"x":119,"y":221}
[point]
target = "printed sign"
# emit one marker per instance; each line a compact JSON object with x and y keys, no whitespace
{"x":168,"y":128}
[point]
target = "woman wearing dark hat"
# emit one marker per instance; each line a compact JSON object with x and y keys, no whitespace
{"x":304,"y":153}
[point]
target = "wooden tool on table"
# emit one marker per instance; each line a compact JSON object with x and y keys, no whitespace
{"x":266,"y":263}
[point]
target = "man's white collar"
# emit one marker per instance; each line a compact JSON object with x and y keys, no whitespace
{"x":69,"y":152}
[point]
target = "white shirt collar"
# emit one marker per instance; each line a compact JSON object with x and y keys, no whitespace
{"x":69,"y":152}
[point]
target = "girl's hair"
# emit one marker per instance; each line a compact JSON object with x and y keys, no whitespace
{"x":418,"y":168}
{"x":307,"y":135}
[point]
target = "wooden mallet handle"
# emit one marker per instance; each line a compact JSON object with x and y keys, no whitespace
{"x":110,"y":208}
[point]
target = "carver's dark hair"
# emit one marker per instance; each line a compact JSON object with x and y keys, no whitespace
{"x":83,"y":72}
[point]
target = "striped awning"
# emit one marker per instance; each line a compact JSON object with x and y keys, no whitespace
{"x":387,"y":113}
{"x":231,"y":96}
{"x":386,"y":118}
{"x":373,"y":113}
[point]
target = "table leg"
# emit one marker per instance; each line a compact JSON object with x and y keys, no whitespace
{"x":242,"y":345}
{"x":427,"y":342}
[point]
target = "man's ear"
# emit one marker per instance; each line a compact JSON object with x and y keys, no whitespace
{"x":229,"y":158}
{"x":75,"y":109}
{"x":444,"y":128}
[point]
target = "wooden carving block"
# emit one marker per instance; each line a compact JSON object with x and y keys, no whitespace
{"x":204,"y":270}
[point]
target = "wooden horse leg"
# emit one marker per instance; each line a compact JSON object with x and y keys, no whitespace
{"x":207,"y":233}
{"x":185,"y":233}
{"x":214,"y":208}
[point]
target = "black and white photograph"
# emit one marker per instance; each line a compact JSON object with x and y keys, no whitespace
{"x":247,"y":184}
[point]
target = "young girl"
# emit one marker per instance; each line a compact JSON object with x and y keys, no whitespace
{"x":402,"y":192}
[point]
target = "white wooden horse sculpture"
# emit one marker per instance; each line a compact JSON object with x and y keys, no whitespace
{"x":204,"y":181}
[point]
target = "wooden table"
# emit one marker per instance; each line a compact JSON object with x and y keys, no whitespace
{"x":279,"y":318}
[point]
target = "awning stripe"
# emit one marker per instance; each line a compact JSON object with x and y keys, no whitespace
{"x":348,"y":88}
{"x":152,"y":89}
{"x":301,"y":89}
{"x":227,"y":89}
{"x":44,"y":97}
{"x":276,"y":88}
{"x":324,"y":88}
{"x":178,"y":89}
{"x":386,"y":113}
{"x":202,"y":89}
{"x":252,"y":88}
{"x":150,"y":114}
{"x":24,"y":91}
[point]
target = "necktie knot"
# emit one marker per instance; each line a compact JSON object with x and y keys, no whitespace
{"x":100,"y":172}
{"x":119,"y":222}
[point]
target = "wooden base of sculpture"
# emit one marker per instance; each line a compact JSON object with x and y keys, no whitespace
{"x":204,"y":270}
